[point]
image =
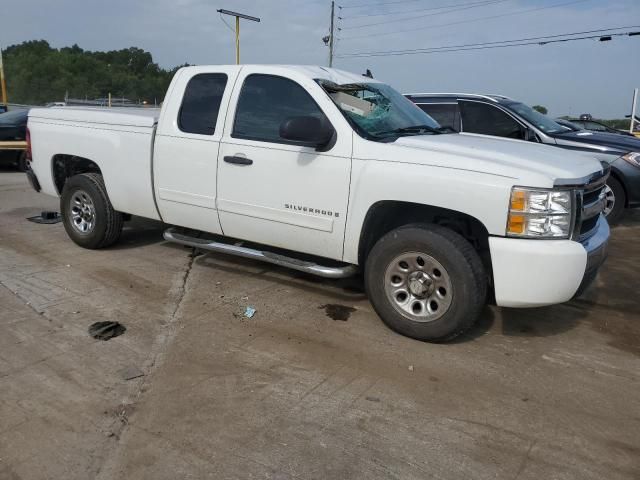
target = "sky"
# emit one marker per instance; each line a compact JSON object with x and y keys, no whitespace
{"x":570,"y":78}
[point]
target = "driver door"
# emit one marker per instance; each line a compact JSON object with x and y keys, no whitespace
{"x":271,"y":190}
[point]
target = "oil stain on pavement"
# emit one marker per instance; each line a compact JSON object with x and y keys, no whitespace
{"x":337,"y":312}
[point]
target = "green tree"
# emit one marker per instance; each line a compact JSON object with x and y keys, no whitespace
{"x":539,"y":108}
{"x":37,"y":73}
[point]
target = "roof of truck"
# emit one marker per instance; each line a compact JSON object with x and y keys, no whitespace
{"x":313,"y":72}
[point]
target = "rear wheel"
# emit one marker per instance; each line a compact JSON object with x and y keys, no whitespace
{"x":89,"y":218}
{"x":426,"y":282}
{"x":615,"y":199}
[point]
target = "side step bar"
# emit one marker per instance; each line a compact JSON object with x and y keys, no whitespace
{"x":173,"y":235}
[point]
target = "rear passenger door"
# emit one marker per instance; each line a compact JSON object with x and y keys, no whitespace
{"x":446,"y":114}
{"x":485,"y":119}
{"x":186,"y":147}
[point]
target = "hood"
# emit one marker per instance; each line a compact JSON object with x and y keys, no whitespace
{"x":529,"y":164}
{"x":611,"y":143}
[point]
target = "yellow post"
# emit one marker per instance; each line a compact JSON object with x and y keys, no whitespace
{"x":3,"y":85}
{"x":237,"y":40}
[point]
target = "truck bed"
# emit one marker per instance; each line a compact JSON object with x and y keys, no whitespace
{"x":123,"y":116}
{"x":120,"y":140}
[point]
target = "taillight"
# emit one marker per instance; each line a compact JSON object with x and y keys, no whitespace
{"x":28,"y":155}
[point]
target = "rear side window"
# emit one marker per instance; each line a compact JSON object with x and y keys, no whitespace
{"x":488,"y":120}
{"x":446,"y":114}
{"x":201,"y":103}
{"x":265,"y":102}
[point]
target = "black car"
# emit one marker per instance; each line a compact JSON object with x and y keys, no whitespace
{"x":3,"y":108}
{"x":594,"y":126}
{"x":501,"y":116}
{"x":13,"y":127}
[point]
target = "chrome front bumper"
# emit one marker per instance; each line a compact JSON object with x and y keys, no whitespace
{"x":596,"y":247}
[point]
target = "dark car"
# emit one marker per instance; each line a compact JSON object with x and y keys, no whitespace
{"x":501,"y":116}
{"x":570,"y":125}
{"x":3,"y":108}
{"x":13,"y":127}
{"x":594,"y":126}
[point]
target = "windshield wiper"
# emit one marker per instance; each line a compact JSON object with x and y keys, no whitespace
{"x":414,"y":129}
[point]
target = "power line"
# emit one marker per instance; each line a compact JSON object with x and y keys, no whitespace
{"x":414,"y":17}
{"x":519,"y":12}
{"x":387,"y":14}
{"x":543,"y":40}
{"x":363,"y":5}
{"x":426,"y":49}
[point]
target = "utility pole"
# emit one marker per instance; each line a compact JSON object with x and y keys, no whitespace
{"x":3,"y":85}
{"x":333,"y":3}
{"x":633,"y":111}
{"x":238,"y":17}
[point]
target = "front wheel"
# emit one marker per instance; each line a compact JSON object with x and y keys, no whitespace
{"x":426,"y":282}
{"x":89,"y":218}
{"x":615,"y":200}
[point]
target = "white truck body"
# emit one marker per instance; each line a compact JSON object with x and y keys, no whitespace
{"x":316,"y":202}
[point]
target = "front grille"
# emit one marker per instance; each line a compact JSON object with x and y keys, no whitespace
{"x":590,"y":202}
{"x":588,"y":226}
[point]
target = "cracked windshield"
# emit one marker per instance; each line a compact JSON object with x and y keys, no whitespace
{"x":378,"y":112}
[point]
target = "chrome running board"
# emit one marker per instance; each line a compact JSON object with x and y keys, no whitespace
{"x":172,"y":235}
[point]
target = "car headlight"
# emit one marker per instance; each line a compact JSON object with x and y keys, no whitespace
{"x":535,"y":213}
{"x":633,"y":158}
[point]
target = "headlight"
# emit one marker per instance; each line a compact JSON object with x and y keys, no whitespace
{"x":540,"y":213}
{"x":633,"y":158}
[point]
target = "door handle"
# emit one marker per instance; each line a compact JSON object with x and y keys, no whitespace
{"x":238,"y":160}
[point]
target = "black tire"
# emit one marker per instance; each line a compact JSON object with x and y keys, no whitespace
{"x":463,"y":268}
{"x":22,"y":161}
{"x":107,"y":222}
{"x":619,"y":200}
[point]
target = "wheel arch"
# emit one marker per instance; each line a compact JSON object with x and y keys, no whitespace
{"x":386,"y":215}
{"x":64,"y":166}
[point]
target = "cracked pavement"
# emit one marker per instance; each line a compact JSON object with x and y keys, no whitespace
{"x":290,"y":393}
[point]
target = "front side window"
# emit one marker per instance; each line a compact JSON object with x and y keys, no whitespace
{"x":378,"y":112}
{"x":265,"y":102}
{"x":534,"y":117}
{"x":201,"y":103}
{"x":486,"y":119}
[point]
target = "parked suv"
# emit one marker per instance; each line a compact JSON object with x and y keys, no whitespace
{"x":501,"y":116}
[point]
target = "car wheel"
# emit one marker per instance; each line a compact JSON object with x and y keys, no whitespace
{"x":88,"y":216}
{"x":22,"y":162}
{"x":425,"y":282}
{"x":615,"y":200}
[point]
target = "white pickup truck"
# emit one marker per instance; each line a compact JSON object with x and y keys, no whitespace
{"x":333,"y":173}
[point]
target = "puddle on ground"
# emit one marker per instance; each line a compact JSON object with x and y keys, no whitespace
{"x":106,"y":330}
{"x":337,"y":312}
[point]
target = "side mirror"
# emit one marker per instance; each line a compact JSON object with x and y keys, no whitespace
{"x":530,"y":135}
{"x":307,"y":131}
